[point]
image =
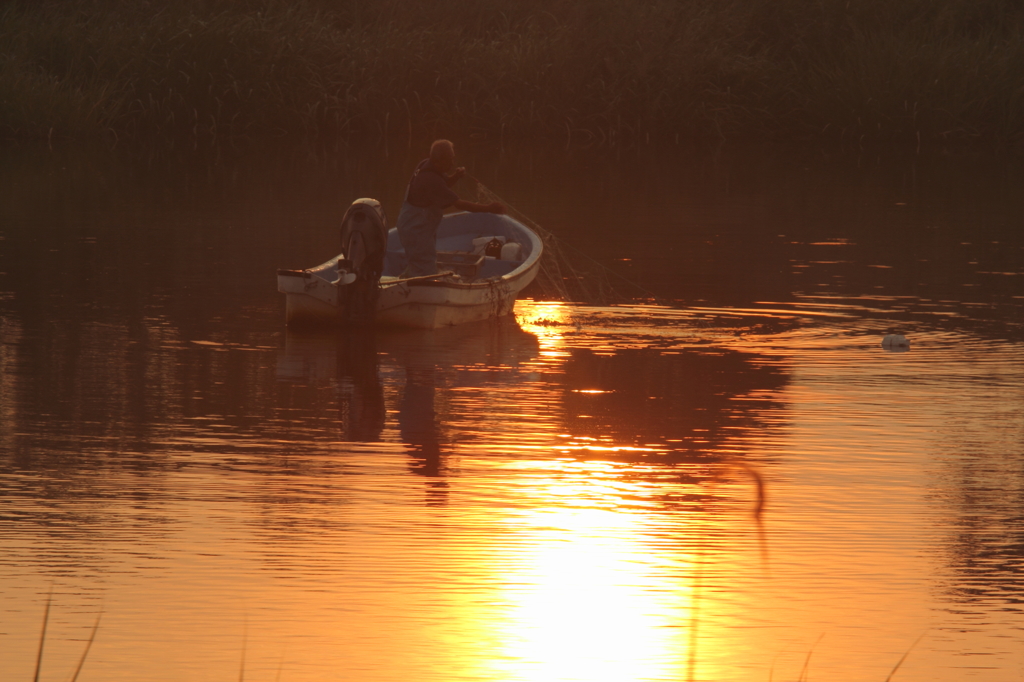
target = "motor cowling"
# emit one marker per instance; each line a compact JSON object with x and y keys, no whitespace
{"x":364,"y":238}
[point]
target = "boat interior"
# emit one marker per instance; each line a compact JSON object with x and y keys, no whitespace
{"x":473,"y":246}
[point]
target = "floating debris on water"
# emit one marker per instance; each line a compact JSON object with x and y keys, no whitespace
{"x":895,"y":342}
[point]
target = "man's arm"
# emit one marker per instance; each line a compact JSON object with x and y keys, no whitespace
{"x":493,"y":207}
{"x":455,"y":176}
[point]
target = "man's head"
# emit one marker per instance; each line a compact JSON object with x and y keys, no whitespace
{"x":442,"y":155}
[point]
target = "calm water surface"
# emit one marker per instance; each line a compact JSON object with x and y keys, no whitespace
{"x":567,"y":495}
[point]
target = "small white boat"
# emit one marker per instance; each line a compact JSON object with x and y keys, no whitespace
{"x":484,"y":260}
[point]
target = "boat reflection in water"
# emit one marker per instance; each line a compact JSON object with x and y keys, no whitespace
{"x":348,"y":362}
{"x":552,"y":391}
{"x":409,"y":365}
{"x":446,"y":359}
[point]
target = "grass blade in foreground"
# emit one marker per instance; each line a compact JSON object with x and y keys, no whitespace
{"x":88,"y":645}
{"x":904,"y":657}
{"x":42,"y":636}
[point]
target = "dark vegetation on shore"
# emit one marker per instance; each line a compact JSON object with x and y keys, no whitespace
{"x":231,"y":74}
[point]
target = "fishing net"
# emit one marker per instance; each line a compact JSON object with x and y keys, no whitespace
{"x":566,"y":273}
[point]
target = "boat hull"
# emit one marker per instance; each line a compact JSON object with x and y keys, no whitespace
{"x":429,"y":305}
{"x":319,"y":296}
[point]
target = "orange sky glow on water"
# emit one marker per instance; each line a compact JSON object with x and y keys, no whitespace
{"x":552,"y":512}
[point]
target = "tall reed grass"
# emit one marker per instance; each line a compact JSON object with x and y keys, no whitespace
{"x":226,"y":74}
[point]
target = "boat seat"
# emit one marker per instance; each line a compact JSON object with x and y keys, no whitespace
{"x":465,"y":265}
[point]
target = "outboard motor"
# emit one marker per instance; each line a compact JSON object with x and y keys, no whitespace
{"x":364,"y":241}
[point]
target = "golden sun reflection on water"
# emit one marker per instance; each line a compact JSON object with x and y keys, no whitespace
{"x":545,"y":320}
{"x":589,"y":599}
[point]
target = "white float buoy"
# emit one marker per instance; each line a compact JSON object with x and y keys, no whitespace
{"x":896,"y":342}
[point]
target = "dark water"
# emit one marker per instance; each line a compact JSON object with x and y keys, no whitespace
{"x":567,"y":495}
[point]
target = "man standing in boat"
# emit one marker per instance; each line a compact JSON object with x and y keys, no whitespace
{"x":428,"y":195}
